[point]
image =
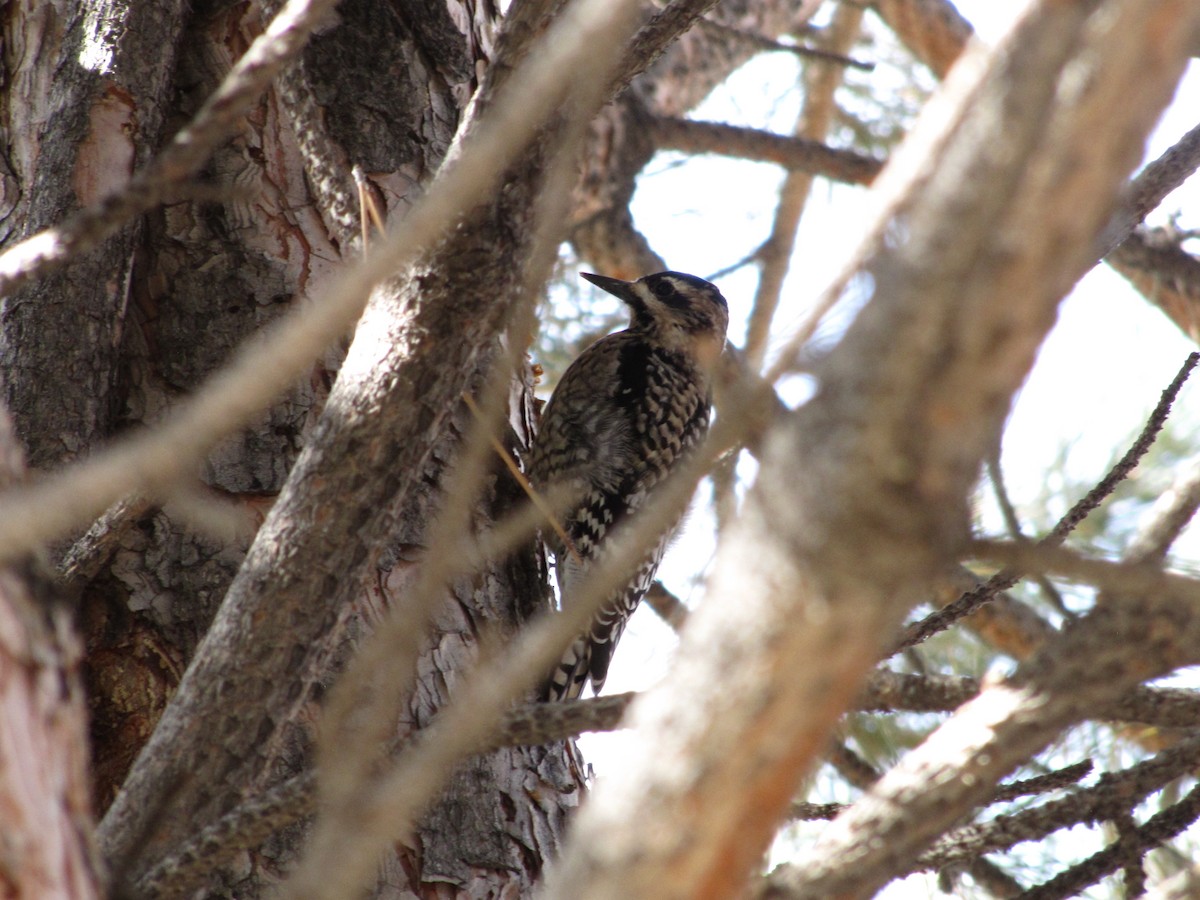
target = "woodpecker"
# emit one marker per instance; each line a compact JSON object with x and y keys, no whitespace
{"x":625,"y":414}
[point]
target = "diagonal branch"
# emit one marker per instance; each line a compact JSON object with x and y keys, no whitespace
{"x":1154,"y":262}
{"x":1151,"y":186}
{"x":933,"y":30}
{"x":943,"y":618}
{"x":1159,"y":829}
{"x":688,"y":136}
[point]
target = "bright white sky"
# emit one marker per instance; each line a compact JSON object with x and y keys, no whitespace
{"x":1096,"y":379}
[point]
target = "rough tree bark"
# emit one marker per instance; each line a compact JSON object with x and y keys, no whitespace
{"x":86,"y":100}
{"x":185,"y":286}
{"x":213,"y":266}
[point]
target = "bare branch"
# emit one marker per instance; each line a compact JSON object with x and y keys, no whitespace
{"x":1132,"y":577}
{"x":250,"y":824}
{"x":670,"y":608}
{"x":325,"y":162}
{"x":1153,"y":261}
{"x":888,"y":690}
{"x":1151,"y":185}
{"x":87,"y":556}
{"x":933,"y":30}
{"x":1122,"y":790}
{"x":946,"y":616}
{"x":995,"y":473}
{"x":1008,"y":624}
{"x":816,"y":114}
{"x":815,"y":811}
{"x":1041,"y":784}
{"x":852,"y":767}
{"x":1160,"y":828}
{"x":1147,"y":626}
{"x":749,"y":143}
{"x":244,"y":828}
{"x":1171,"y":513}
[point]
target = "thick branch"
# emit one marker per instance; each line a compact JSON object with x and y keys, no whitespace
{"x":932,"y":29}
{"x":935,"y":32}
{"x":1159,"y":829}
{"x":1153,"y":261}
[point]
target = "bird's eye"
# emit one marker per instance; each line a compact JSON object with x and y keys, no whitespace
{"x":663,"y":289}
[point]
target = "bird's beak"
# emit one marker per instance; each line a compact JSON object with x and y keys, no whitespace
{"x":615,"y":286}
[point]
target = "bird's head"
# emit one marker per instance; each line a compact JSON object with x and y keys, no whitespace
{"x":682,"y":312}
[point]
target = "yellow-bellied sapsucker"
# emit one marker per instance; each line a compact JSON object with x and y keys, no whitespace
{"x":625,"y":413}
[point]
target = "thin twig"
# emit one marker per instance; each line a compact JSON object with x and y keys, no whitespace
{"x":1150,"y":186}
{"x":803,"y":811}
{"x":946,"y":616}
{"x":1159,"y":829}
{"x":669,"y":608}
{"x":1126,"y":788}
{"x":856,"y":770}
{"x":1042,"y":784}
{"x":765,"y":43}
{"x":1013,"y":523}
